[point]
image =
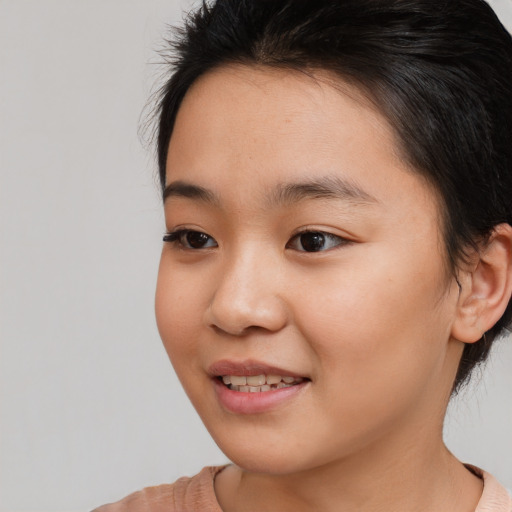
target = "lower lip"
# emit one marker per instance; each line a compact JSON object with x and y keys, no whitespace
{"x":241,"y":402}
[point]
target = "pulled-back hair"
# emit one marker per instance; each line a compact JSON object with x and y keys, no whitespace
{"x":440,"y":71}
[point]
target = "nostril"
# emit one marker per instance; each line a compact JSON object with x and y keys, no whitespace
{"x":224,"y":332}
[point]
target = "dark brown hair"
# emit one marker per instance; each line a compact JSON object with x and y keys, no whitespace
{"x":439,"y":70}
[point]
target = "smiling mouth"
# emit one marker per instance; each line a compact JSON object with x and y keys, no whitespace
{"x":259,"y":383}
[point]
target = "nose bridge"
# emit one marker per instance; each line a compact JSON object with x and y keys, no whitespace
{"x":247,"y":294}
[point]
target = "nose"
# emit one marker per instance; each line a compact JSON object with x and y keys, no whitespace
{"x":248,"y":296}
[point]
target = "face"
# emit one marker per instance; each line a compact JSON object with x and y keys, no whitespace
{"x":304,"y":265}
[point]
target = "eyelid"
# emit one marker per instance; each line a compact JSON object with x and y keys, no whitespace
{"x":342,"y":240}
{"x":176,"y":237}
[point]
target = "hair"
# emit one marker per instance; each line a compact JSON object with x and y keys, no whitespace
{"x":440,"y":71}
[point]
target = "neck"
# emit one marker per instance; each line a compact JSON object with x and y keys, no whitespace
{"x":421,"y":476}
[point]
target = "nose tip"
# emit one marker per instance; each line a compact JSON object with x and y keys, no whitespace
{"x":240,"y":306}
{"x":238,"y":321}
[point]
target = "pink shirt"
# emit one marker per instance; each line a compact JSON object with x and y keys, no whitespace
{"x":197,"y":494}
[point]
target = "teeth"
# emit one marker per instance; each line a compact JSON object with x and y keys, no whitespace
{"x":238,"y":381}
{"x":258,"y":389}
{"x":256,"y":380}
{"x":259,"y":383}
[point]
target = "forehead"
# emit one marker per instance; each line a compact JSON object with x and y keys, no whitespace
{"x":260,"y":104}
{"x":254,"y":128}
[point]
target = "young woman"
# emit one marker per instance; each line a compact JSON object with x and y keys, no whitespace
{"x":337,"y":184}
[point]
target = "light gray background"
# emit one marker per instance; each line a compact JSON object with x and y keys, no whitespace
{"x":90,"y":408}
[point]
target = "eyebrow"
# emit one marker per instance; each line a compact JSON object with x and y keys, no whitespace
{"x":327,"y":187}
{"x":191,"y":191}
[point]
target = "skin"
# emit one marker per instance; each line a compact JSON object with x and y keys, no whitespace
{"x":369,"y":320}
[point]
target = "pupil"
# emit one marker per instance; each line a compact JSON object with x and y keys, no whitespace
{"x":312,"y":242}
{"x":196,"y":239}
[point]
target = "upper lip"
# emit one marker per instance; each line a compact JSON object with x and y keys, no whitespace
{"x":247,"y":368}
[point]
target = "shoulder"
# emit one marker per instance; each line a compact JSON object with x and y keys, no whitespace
{"x":495,"y":498}
{"x":187,"y":493}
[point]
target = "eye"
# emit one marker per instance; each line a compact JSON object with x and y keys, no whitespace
{"x":190,"y":239}
{"x":315,"y":241}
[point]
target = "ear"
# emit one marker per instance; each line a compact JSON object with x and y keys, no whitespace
{"x":485,"y":288}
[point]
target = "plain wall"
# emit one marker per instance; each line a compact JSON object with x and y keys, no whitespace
{"x":90,"y":407}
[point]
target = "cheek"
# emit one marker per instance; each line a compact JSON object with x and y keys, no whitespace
{"x":381,"y":324}
{"x":378,"y":354}
{"x":177,"y":307}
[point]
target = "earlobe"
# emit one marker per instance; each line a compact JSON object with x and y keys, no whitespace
{"x":486,"y":288}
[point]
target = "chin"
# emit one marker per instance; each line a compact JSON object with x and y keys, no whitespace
{"x":276,"y":458}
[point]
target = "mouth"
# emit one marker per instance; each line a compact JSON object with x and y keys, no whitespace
{"x":259,"y":383}
{"x":253,"y":387}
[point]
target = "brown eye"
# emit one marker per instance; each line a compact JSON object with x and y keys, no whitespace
{"x":191,"y":239}
{"x":315,"y":241}
{"x":312,"y":242}
{"x":195,"y":239}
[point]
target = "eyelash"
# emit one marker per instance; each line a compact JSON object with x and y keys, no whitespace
{"x":179,"y":237}
{"x":338,"y":240}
